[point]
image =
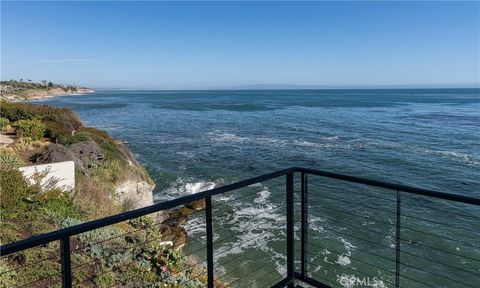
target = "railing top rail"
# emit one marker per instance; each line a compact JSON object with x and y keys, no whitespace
{"x":391,"y":186}
{"x":99,"y":223}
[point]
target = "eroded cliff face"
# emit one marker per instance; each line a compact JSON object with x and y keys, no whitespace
{"x":133,"y":193}
{"x":31,"y":94}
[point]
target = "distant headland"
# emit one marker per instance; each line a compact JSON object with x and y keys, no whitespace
{"x":17,"y":90}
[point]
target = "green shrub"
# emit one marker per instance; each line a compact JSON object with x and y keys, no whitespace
{"x":13,"y":191}
{"x":60,"y":122}
{"x":32,"y":128}
{"x":4,"y":122}
{"x":9,"y":161}
{"x":57,"y":132}
{"x":106,"y":173}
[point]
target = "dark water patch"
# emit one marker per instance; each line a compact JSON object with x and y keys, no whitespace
{"x":446,"y":117}
{"x":237,"y":107}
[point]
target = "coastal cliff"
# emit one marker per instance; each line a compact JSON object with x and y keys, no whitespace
{"x":13,"y":90}
{"x":108,"y":180}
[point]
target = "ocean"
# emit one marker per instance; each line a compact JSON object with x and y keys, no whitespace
{"x":191,"y":141}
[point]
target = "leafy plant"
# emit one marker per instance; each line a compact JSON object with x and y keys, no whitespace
{"x":32,"y":128}
{"x":13,"y":190}
{"x":4,"y":123}
{"x":9,"y":161}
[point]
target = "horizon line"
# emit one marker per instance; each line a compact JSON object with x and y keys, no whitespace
{"x":291,"y":88}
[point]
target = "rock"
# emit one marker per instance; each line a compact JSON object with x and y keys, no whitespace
{"x":55,"y":153}
{"x":134,"y":193}
{"x":85,"y":155}
{"x":88,"y":152}
{"x":196,"y":205}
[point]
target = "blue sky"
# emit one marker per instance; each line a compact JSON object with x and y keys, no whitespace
{"x":202,"y":45}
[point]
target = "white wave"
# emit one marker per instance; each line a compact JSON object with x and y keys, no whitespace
{"x":194,"y":226}
{"x":271,"y":141}
{"x":182,"y":187}
{"x":262,"y":196}
{"x":348,"y":246}
{"x":226,"y":137}
{"x":187,"y":154}
{"x":469,"y":159}
{"x":343,"y":260}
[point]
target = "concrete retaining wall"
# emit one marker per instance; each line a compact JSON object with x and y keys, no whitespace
{"x":64,"y":172}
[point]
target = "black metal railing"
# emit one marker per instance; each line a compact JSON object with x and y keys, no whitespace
{"x":381,"y":221}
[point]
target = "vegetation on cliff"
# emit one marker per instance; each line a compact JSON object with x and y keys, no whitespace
{"x":23,"y":90}
{"x":128,"y":254}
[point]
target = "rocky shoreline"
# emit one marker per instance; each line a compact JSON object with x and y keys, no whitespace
{"x":44,"y":94}
{"x":13,"y":90}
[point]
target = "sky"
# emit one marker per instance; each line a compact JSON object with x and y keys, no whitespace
{"x":226,"y":45}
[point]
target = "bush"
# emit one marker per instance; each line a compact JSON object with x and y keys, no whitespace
{"x":9,"y":161}
{"x":60,"y":122}
{"x":13,"y":190}
{"x":4,"y":123}
{"x":32,"y":128}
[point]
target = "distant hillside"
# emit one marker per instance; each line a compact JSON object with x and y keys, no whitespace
{"x":26,"y":90}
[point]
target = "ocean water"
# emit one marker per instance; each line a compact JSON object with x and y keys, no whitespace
{"x":191,"y":141}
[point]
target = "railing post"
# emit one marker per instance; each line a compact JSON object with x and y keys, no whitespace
{"x":290,"y":229}
{"x":304,"y":248}
{"x":208,"y":206}
{"x":65,"y":262}
{"x":397,"y":241}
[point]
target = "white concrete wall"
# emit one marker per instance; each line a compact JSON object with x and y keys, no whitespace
{"x":64,"y":172}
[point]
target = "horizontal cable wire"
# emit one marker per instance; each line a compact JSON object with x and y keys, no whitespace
{"x":350,"y":256}
{"x":435,"y":274}
{"x":57,"y":274}
{"x":115,"y":237}
{"x":233,"y":259}
{"x":363,"y":251}
{"x":441,"y":263}
{"x":358,"y":238}
{"x":131,"y":261}
{"x":358,"y":215}
{"x":421,"y":257}
{"x":105,"y":272}
{"x":352,"y":203}
{"x":402,"y":263}
{"x":274,"y":281}
{"x":440,"y":223}
{"x":356,"y":271}
{"x":438,"y":236}
{"x":440,"y":210}
{"x":254,"y":280}
{"x":351,"y":192}
{"x":228,"y":249}
{"x":234,"y":224}
{"x":353,"y":214}
{"x":406,"y":239}
{"x":31,"y":264}
{"x":243,"y":265}
{"x":417,"y":281}
{"x":441,"y":250}
{"x":245,"y":196}
{"x":403,"y":239}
